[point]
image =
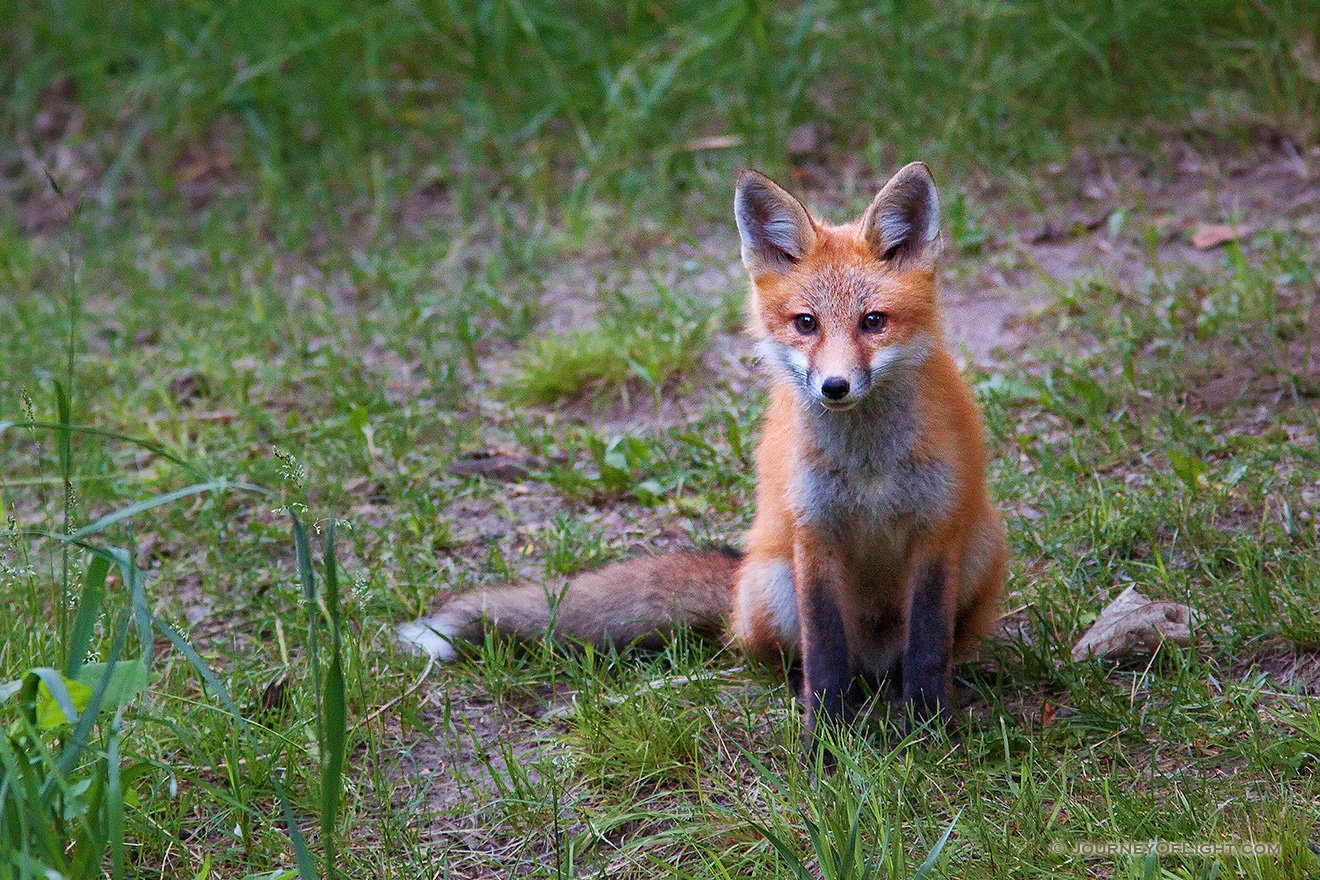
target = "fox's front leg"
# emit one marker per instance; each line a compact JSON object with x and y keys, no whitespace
{"x":826,"y":665}
{"x":928,"y":655}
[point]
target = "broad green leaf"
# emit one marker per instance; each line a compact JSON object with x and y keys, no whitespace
{"x":128,"y":678}
{"x":59,"y":700}
{"x":1190,"y":470}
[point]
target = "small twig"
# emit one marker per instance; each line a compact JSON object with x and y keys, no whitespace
{"x":430,"y":661}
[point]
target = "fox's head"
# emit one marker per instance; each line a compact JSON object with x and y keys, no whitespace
{"x":840,"y":310}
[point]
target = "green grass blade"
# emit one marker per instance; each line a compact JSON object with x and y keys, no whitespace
{"x":17,"y":792}
{"x":307,"y":578}
{"x":114,"y":798}
{"x":137,"y":596}
{"x":333,"y":711}
{"x":850,"y":849}
{"x":219,"y":485}
{"x":64,"y":446}
{"x":63,"y":429}
{"x":142,"y":616}
{"x":105,"y":433}
{"x":76,"y":538}
{"x":89,"y":608}
{"x":929,"y":864}
{"x":82,"y":734}
{"x":767,"y":775}
{"x":785,"y":852}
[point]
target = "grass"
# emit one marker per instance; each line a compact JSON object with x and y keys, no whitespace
{"x":331,"y":259}
{"x":570,"y":109}
{"x":638,"y":342}
{"x":1113,"y":468}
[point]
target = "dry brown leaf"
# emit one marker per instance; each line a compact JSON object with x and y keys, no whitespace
{"x":714,"y":142}
{"x":502,"y":466}
{"x":368,"y":489}
{"x":1131,"y":624}
{"x":1212,"y":235}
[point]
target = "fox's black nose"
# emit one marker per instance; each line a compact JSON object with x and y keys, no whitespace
{"x":835,"y":388}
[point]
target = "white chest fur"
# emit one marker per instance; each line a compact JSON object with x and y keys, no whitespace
{"x":864,"y":480}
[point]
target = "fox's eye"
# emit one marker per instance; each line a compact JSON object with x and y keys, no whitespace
{"x":805,"y":324}
{"x":874,"y":322}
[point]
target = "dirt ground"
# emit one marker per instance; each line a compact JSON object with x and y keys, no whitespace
{"x":1192,"y":207}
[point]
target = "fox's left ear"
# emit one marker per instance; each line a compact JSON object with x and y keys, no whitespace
{"x":904,"y":219}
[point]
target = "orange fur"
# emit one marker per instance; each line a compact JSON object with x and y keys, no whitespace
{"x":871,"y":472}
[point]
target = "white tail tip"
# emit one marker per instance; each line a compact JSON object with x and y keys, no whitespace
{"x":433,"y":636}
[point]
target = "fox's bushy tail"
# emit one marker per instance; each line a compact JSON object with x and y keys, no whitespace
{"x":638,"y":602}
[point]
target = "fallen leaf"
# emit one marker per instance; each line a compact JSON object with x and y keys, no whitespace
{"x":502,"y":466}
{"x":275,"y":697}
{"x":367,"y":489}
{"x":1048,"y":234}
{"x":714,"y":142}
{"x":188,"y":387}
{"x":1132,"y":624}
{"x":1212,"y":235}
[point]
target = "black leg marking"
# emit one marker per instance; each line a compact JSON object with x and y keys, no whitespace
{"x":793,"y":672}
{"x":928,"y":656}
{"x":895,"y":678}
{"x":826,"y":670}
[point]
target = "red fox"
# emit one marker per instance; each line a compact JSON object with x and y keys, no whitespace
{"x":875,"y":549}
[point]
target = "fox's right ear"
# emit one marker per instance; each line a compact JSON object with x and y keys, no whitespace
{"x":775,"y":229}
